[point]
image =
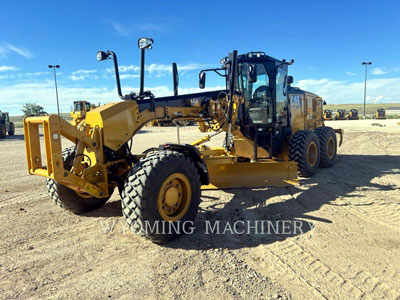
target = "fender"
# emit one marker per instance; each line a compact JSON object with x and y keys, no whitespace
{"x":194,"y":154}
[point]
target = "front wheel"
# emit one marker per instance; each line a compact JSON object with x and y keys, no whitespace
{"x":161,"y":196}
{"x":67,"y":198}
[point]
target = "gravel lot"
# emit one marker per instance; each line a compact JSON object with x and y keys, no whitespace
{"x":349,"y":247}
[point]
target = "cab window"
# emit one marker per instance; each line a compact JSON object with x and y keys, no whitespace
{"x":78,"y":106}
{"x":280,"y":92}
{"x":257,"y":94}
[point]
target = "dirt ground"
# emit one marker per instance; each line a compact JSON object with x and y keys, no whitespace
{"x":349,"y":248}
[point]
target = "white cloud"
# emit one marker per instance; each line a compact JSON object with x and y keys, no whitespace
{"x":6,"y":49}
{"x":128,"y":76}
{"x":157,"y":69}
{"x":381,"y":90}
{"x":122,"y":30}
{"x":378,"y":71}
{"x":12,"y":97}
{"x":351,"y":73}
{"x":8,"y":68}
{"x":36,"y":74}
{"x":139,"y":27}
{"x":24,"y":75}
{"x":83,"y":74}
{"x":384,"y":70}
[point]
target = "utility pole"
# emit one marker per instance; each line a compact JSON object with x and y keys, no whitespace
{"x":365,"y":82}
{"x":55,"y":82}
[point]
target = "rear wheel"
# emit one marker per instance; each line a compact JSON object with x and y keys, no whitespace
{"x":328,"y":145}
{"x":11,"y":130}
{"x":67,"y":198}
{"x":161,"y":196}
{"x":2,"y":131}
{"x":304,"y":149}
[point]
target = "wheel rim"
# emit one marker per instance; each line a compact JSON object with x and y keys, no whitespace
{"x":174,"y":197}
{"x":330,"y":149}
{"x":312,"y":154}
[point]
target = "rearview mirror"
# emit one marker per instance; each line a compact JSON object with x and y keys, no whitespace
{"x":202,"y":79}
{"x":289,"y":80}
{"x":101,"y":55}
{"x":144,"y":43}
{"x":252,"y":73}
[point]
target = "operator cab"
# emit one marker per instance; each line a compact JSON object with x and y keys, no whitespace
{"x":81,"y":106}
{"x":263,"y":82}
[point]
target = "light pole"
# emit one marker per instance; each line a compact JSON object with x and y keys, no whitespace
{"x":55,"y":82}
{"x":365,"y":82}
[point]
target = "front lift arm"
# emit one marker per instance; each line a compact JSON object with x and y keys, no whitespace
{"x":53,"y":166}
{"x":110,"y":127}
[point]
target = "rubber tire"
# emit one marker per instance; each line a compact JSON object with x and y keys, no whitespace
{"x":324,"y":133}
{"x":140,"y":193}
{"x":68,"y":199}
{"x":3,"y":131}
{"x":12,"y":129}
{"x":298,"y":147}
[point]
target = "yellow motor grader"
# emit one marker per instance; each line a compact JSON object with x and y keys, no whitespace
{"x":380,"y":114}
{"x":340,"y":114}
{"x":80,"y":109}
{"x":273,"y":132}
{"x":353,"y":114}
{"x":328,"y":115}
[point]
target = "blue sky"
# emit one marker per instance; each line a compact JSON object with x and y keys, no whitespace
{"x":327,"y":40}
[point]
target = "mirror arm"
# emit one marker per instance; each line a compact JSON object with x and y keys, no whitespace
{"x":117,"y":79}
{"x":142,"y":53}
{"x":216,"y":71}
{"x":175,"y":78}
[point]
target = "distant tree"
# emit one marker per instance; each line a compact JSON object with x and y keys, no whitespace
{"x":33,"y":110}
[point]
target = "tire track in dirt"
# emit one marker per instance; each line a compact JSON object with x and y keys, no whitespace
{"x":18,"y":198}
{"x":290,"y":264}
{"x":380,"y":212}
{"x":384,"y":214}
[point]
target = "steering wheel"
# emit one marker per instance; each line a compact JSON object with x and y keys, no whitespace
{"x":261,"y":89}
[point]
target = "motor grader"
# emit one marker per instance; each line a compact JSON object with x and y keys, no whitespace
{"x":380,"y":114}
{"x":340,"y":114}
{"x":273,"y":132}
{"x":79,"y":112}
{"x":328,"y":115}
{"x":6,"y":126}
{"x":353,"y":114}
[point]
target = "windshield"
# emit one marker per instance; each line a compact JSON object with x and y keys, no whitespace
{"x":257,"y":94}
{"x":78,"y":106}
{"x":87,"y":106}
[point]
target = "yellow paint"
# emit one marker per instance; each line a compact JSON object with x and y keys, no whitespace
{"x":113,"y":124}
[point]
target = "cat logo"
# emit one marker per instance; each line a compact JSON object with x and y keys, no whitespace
{"x":295,"y":101}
